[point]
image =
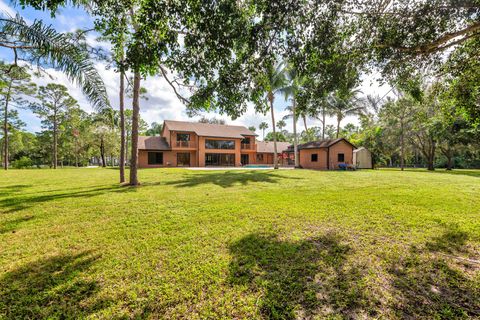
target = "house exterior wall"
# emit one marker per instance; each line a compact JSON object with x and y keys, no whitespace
{"x":169,"y":159}
{"x":340,"y":147}
{"x":305,"y":157}
{"x":202,"y":150}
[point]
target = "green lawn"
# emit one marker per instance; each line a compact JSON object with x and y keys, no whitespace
{"x":240,"y":244}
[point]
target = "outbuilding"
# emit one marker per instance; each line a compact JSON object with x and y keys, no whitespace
{"x":362,"y":158}
{"x":328,"y":154}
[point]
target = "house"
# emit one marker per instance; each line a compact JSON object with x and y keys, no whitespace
{"x":362,"y":158}
{"x":265,"y":152}
{"x":324,"y":154}
{"x":184,"y":144}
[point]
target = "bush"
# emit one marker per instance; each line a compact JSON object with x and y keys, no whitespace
{"x":22,"y":163}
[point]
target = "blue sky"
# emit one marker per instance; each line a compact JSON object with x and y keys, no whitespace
{"x":162,"y":103}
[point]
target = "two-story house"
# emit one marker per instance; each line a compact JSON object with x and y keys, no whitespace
{"x":193,"y":144}
{"x":198,"y":145}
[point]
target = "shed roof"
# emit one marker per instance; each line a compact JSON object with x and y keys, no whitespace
{"x":152,"y":143}
{"x":210,"y":130}
{"x":267,"y":146}
{"x":327,"y":143}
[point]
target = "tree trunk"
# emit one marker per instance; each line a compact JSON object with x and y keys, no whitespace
{"x":5,"y":129}
{"x":402,"y":147}
{"x":275,"y":155}
{"x":122,"y":120}
{"x":55,"y":139}
{"x":136,"y":111}
{"x":338,"y":126}
{"x":305,"y":123}
{"x":76,"y":152}
{"x":122,"y":126}
{"x":102,"y":153}
{"x":295,"y":141}
{"x":449,"y":163}
{"x":323,"y":123}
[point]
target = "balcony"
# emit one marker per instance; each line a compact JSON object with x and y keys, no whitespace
{"x":248,"y":146}
{"x":185,"y":144}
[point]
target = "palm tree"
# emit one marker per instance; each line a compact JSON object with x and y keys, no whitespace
{"x":292,"y":90}
{"x":263,"y":126}
{"x":345,"y":103}
{"x":274,"y":80}
{"x":281,"y":124}
{"x":43,"y":45}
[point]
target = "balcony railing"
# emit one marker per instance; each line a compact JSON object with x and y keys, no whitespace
{"x":248,"y":146}
{"x":185,"y":144}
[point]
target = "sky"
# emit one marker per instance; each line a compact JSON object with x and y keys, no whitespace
{"x":161,"y":103}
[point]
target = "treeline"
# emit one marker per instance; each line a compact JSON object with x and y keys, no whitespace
{"x":69,"y":137}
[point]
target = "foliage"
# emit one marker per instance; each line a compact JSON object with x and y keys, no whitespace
{"x":22,"y":163}
{"x":44,"y":46}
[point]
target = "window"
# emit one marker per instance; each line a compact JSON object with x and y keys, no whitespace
{"x":219,"y":159}
{"x":219,"y":144}
{"x":259,"y":156}
{"x":314,"y":157}
{"x":183,"y":137}
{"x":155,"y":158}
{"x":341,"y":157}
{"x":246,"y":140}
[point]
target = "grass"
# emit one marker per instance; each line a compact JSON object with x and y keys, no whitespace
{"x":240,"y":244}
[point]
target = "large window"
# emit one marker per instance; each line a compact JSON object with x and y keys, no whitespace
{"x":259,"y":156}
{"x":341,"y":157}
{"x":314,"y":157}
{"x":155,"y":158}
{"x":219,"y":144}
{"x":219,"y":159}
{"x":183,"y":137}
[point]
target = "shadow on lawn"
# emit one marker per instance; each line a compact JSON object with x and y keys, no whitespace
{"x":51,"y":288}
{"x":438,"y":283}
{"x":228,"y":178}
{"x":13,"y":189}
{"x":299,"y":279}
{"x":11,"y":226}
{"x":24,"y":201}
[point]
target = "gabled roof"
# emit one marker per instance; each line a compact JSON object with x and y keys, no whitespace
{"x":267,"y":146}
{"x":152,"y":143}
{"x":209,"y":130}
{"x":320,"y":144}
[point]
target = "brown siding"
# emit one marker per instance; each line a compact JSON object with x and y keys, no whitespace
{"x":169,"y":159}
{"x":306,"y":158}
{"x":340,"y":147}
{"x":202,"y":150}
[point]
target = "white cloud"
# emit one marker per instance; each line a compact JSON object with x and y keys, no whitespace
{"x":6,"y":9}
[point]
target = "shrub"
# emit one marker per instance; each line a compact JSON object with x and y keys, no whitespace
{"x":22,"y":163}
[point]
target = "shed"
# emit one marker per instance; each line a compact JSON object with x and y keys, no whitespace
{"x":362,"y":158}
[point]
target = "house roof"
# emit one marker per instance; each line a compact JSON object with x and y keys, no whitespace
{"x":152,"y":143}
{"x":210,"y":130}
{"x":267,"y":146}
{"x":320,"y":144}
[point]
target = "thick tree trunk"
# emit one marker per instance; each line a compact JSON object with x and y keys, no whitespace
{"x":275,"y":154}
{"x":5,"y":129}
{"x":449,"y":163}
{"x":136,"y":111}
{"x":122,"y":126}
{"x":295,"y":140}
{"x":55,"y":140}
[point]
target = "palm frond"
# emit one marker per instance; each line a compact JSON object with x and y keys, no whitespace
{"x":44,"y":45}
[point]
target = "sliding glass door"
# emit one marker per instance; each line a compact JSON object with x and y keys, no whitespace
{"x":220,"y":159}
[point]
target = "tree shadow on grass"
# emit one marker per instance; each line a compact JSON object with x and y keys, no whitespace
{"x":11,"y":226}
{"x":25,"y":201}
{"x":300,"y":279}
{"x":7,"y":191}
{"x":439,"y":282}
{"x":459,"y":172}
{"x":228,"y":178}
{"x":53,"y":287}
